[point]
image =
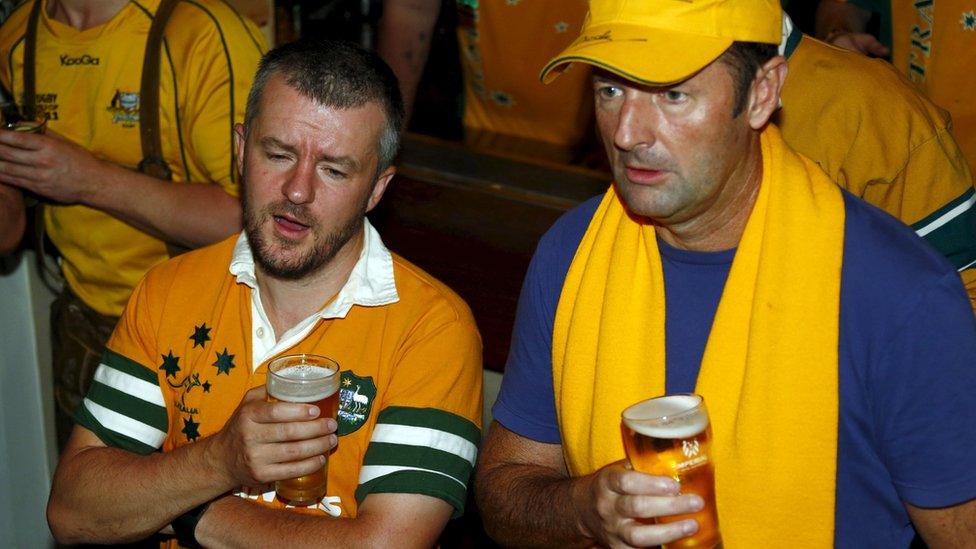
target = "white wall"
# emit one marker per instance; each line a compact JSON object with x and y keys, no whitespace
{"x":27,"y":440}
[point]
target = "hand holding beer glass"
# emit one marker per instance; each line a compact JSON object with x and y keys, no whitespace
{"x":671,"y":436}
{"x":306,"y":379}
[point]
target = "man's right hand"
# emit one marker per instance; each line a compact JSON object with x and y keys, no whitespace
{"x":623,"y":502}
{"x":268,"y":441}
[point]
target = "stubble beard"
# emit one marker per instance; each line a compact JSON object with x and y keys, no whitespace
{"x":267,"y":251}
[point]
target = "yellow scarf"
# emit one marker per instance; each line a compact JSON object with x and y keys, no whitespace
{"x":769,"y":373}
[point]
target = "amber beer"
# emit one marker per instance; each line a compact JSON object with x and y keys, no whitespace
{"x":671,"y":436}
{"x":309,"y":379}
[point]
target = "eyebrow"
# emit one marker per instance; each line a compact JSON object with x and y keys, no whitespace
{"x":345,"y":162}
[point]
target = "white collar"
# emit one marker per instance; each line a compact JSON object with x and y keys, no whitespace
{"x":370,"y":283}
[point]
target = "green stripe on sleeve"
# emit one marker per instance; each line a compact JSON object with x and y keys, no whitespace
{"x":111,"y":438}
{"x":431,"y":418}
{"x":381,"y":453}
{"x":128,"y":405}
{"x":121,"y":363}
{"x":416,"y":482}
{"x":952,"y":230}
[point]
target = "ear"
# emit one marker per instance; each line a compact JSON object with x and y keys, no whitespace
{"x":239,"y":139}
{"x":765,"y":91}
{"x":380,"y":187}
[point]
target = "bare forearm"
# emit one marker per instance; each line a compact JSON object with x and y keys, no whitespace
{"x":12,"y":218}
{"x":404,"y":41}
{"x":834,"y":16}
{"x":182,"y":213}
{"x":108,"y":495}
{"x":235,"y":522}
{"x":531,"y":506}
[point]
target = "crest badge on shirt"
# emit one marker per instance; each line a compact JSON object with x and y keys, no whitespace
{"x":356,"y":396}
{"x":124,"y":108}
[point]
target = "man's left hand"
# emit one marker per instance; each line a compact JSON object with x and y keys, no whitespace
{"x":48,"y":165}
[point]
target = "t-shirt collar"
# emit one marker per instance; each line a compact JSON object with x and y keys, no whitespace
{"x":370,"y":284}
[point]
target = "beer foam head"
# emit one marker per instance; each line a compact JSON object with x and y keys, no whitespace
{"x":303,"y":383}
{"x":675,"y":416}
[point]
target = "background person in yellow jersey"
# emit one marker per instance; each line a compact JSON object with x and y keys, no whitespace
{"x":502,"y":44}
{"x":930,"y":44}
{"x":718,"y":261}
{"x":109,"y":222}
{"x":309,"y":274}
{"x":883,"y":140}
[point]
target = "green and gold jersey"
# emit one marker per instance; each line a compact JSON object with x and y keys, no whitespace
{"x":88,"y":85}
{"x":932,"y":44}
{"x":879,"y":138}
{"x":503,"y":45}
{"x":182,"y":358}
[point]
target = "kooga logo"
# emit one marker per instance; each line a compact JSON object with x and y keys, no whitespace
{"x":83,"y":60}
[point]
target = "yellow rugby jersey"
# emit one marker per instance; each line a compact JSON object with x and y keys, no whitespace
{"x":932,"y":44}
{"x":180,"y":360}
{"x":503,"y":45}
{"x":88,"y":88}
{"x":878,"y":138}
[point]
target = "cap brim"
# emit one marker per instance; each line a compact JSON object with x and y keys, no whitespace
{"x":639,"y":53}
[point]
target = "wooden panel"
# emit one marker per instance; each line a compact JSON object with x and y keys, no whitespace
{"x":473,"y":221}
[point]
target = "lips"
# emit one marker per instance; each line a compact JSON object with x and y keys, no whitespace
{"x":645,"y":176}
{"x":288,"y":226}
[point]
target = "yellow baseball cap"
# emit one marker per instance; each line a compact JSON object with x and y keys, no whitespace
{"x":661,"y":42}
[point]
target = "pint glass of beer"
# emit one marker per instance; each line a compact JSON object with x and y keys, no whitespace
{"x":671,"y":436}
{"x":309,"y":379}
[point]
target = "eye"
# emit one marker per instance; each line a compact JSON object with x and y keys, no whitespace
{"x":607,"y":91}
{"x":334,"y":173}
{"x":277,"y":157}
{"x":675,"y":96}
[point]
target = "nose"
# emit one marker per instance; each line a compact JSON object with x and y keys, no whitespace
{"x":635,"y":122}
{"x":299,"y":188}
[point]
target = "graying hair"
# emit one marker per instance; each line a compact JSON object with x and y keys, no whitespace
{"x":335,"y":74}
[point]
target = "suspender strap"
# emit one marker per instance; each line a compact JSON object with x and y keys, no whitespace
{"x":30,"y":61}
{"x":152,"y":148}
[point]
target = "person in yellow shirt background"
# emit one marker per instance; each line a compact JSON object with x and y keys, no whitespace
{"x":930,"y":43}
{"x":109,"y":222}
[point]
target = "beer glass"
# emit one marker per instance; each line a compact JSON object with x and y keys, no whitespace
{"x":671,"y":436}
{"x":309,"y":379}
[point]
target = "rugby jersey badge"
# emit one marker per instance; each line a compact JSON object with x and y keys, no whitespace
{"x":356,"y":396}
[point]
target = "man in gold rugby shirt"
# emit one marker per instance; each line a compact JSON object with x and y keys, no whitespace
{"x":109,"y":222}
{"x":184,"y":371}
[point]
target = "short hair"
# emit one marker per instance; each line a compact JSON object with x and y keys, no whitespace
{"x":743,"y":60}
{"x":335,"y":74}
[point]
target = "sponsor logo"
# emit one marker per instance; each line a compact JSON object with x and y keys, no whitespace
{"x":84,"y":59}
{"x":124,"y":108}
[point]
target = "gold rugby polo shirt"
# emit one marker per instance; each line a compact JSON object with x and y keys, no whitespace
{"x":184,"y":354}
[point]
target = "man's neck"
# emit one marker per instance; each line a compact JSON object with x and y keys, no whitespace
{"x":288,"y":302}
{"x":722,"y":226}
{"x":84,"y":14}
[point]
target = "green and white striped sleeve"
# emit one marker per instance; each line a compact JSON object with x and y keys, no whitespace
{"x":420,"y":451}
{"x":124,"y":406}
{"x":952,"y":230}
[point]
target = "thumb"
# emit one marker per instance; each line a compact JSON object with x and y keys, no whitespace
{"x":258,"y":393}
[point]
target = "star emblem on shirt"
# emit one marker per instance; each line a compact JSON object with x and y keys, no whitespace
{"x":562,"y":27}
{"x":224,"y":362}
{"x":170,"y":364}
{"x":347,"y":383}
{"x":969,"y":20}
{"x":190,"y":429}
{"x":206,"y":386}
{"x":201,"y":335}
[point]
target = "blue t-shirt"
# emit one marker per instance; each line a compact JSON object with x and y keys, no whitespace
{"x":907,"y":379}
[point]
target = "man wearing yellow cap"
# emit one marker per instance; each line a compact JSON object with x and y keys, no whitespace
{"x":833,"y":347}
